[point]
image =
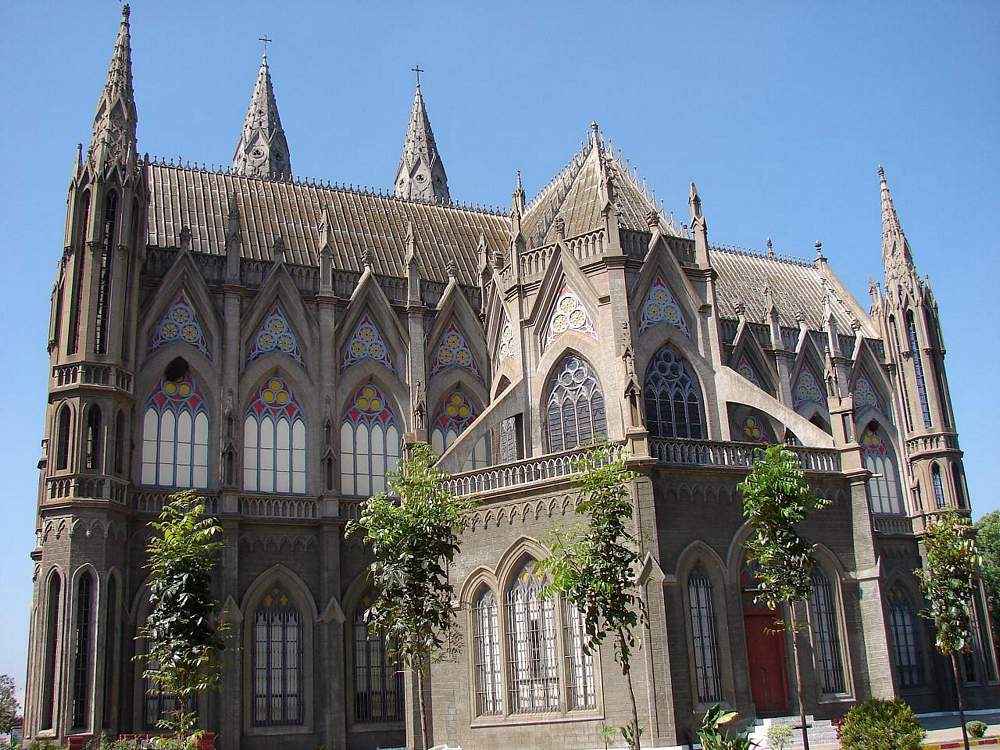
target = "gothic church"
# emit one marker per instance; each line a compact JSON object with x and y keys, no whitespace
{"x":274,"y":343}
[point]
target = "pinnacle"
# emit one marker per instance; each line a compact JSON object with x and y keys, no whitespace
{"x":262,"y":150}
{"x":421,"y":173}
{"x":113,"y":136}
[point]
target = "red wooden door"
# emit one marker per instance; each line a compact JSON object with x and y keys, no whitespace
{"x":766,"y":659}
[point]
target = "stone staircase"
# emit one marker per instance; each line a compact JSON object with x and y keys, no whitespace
{"x":822,"y":733}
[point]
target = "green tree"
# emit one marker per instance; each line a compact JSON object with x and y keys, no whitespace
{"x":183,"y":640}
{"x":413,"y":532}
{"x":777,"y":497}
{"x":988,"y":541}
{"x":947,"y":579}
{"x":9,"y":707}
{"x":595,"y":570}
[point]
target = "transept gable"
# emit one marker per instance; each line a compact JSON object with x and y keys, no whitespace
{"x":660,"y":307}
{"x":278,"y":306}
{"x":370,"y":328}
{"x":565,"y":292}
{"x":181,"y":311}
{"x":660,"y":266}
{"x":750,"y":362}
{"x":450,"y":338}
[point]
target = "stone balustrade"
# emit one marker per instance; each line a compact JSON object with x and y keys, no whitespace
{"x":279,"y":507}
{"x":82,"y":486}
{"x":683,"y":452}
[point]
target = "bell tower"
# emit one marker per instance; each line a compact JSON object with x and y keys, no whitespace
{"x":907,"y":314}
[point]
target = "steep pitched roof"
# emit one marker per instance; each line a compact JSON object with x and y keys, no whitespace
{"x":576,"y":196}
{"x":359,"y":222}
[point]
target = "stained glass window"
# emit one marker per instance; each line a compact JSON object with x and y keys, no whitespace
{"x":489,"y":689}
{"x":531,"y":643}
{"x":366,"y":343}
{"x":864,"y":396}
{"x":745,"y":368}
{"x":369,"y":443}
{"x":939,"y":500}
{"x":753,"y":429}
{"x":673,"y":397}
{"x":581,"y":693}
{"x":378,"y":682}
{"x":278,"y":698}
{"x":824,"y":612}
{"x":274,"y":440}
{"x":918,"y":369}
{"x":701,"y":610}
{"x":454,"y":351}
{"x":880,"y":460}
{"x":807,"y":389}
{"x":569,"y":314}
{"x":175,"y":435}
{"x":575,"y":411}
{"x":81,"y":659}
{"x":905,"y":640}
{"x":180,"y":323}
{"x":274,"y":335}
{"x":661,"y":307}
{"x":455,"y":414}
{"x":505,"y":345}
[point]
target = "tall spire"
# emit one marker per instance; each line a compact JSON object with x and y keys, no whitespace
{"x":896,"y":257}
{"x":421,"y":174}
{"x":115,"y":121}
{"x":263,"y":150}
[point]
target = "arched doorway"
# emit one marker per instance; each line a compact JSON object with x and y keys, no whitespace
{"x":766,"y":661}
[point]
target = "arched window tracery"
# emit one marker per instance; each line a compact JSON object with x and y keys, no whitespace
{"x":455,"y":414}
{"x":880,"y":460}
{"x":489,"y":683}
{"x":180,"y":323}
{"x":175,"y":432}
{"x":274,"y":440}
{"x":531,"y":642}
{"x":661,"y":307}
{"x":575,"y":410}
{"x":366,"y":343}
{"x":454,"y":351}
{"x":569,"y":314}
{"x":369,"y":443}
{"x":274,"y":334}
{"x":277,"y":658}
{"x":673,"y":397}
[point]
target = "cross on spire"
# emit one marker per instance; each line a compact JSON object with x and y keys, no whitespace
{"x":265,"y":39}
{"x":418,"y":70}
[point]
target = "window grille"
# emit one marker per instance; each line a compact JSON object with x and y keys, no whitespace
{"x":905,"y":641}
{"x":277,"y":662}
{"x":508,"y":450}
{"x":673,"y":397}
{"x":880,"y":460}
{"x":274,"y":441}
{"x":831,"y":666}
{"x":175,"y":435}
{"x":706,"y":649}
{"x":489,"y":688}
{"x":369,"y":443}
{"x":575,"y":410}
{"x":579,"y":663}
{"x":918,"y":369}
{"x":531,"y":639}
{"x":378,"y":682}
{"x":81,"y":663}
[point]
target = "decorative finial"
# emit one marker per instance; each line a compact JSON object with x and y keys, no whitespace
{"x":265,"y":40}
{"x":770,"y":248}
{"x":881,"y":172}
{"x":452,"y":268}
{"x":418,"y":70}
{"x":126,"y":11}
{"x":560,"y":227}
{"x":652,"y":219}
{"x":819,"y":251}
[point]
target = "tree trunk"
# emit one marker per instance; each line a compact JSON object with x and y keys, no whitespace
{"x":961,"y":698}
{"x":627,"y":672}
{"x":798,"y":677}
{"x":420,"y":695}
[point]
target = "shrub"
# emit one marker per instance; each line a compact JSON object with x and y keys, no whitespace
{"x":713,"y":737}
{"x":881,"y":725}
{"x":779,"y":736}
{"x":976,"y":729}
{"x":44,"y":745}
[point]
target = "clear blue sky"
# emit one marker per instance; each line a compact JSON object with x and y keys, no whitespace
{"x":780,"y":112}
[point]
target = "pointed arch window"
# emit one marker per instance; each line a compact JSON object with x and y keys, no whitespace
{"x":489,"y":683}
{"x":939,"y":500}
{"x":369,"y":443}
{"x":79,"y":271}
{"x":277,"y":662}
{"x":119,"y":444}
{"x":826,"y":633}
{"x":378,"y":681}
{"x":661,"y":307}
{"x":918,"y":369}
{"x":569,"y":314}
{"x":175,"y":432}
{"x":531,"y":644}
{"x":956,"y":476}
{"x":50,"y":680}
{"x":110,"y":650}
{"x":905,"y":640}
{"x":673,"y":397}
{"x":807,"y":389}
{"x":366,"y":343}
{"x":274,"y":440}
{"x":701,"y":610}
{"x":63,"y":429}
{"x":104,"y":279}
{"x":454,"y":415}
{"x":92,"y":442}
{"x":180,"y":324}
{"x":865,"y":397}
{"x":880,"y":460}
{"x":82,"y":672}
{"x":747,"y":370}
{"x":274,"y":334}
{"x":454,"y":351}
{"x":575,"y":410}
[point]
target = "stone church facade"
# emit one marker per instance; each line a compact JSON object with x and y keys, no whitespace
{"x":275,"y":343}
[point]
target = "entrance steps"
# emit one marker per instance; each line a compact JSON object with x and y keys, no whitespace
{"x":822,"y":733}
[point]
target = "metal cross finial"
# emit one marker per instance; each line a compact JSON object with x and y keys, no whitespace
{"x":418,"y":70}
{"x":265,"y":39}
